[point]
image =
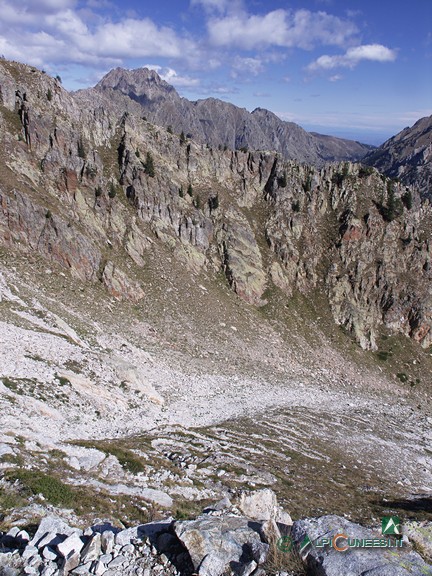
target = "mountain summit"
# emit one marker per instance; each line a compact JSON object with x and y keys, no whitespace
{"x":221,"y":124}
{"x":407,"y":156}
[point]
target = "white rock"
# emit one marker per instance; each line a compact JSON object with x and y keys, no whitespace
{"x":29,"y":551}
{"x":258,"y":505}
{"x":98,"y":568}
{"x":83,"y":569}
{"x":74,"y":463}
{"x":49,"y":539}
{"x":106,"y":558}
{"x":49,"y":553}
{"x":117,"y":561}
{"x":107,"y":541}
{"x":72,"y":544}
{"x":23,"y":535}
{"x":92,"y":549}
{"x":54,"y":525}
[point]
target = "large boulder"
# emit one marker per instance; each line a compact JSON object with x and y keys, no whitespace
{"x":51,"y":531}
{"x":262,"y":505}
{"x":217,"y":544}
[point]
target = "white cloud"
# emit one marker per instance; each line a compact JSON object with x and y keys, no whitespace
{"x":212,"y":89}
{"x":49,"y":32}
{"x":246,"y":67}
{"x":38,"y":6}
{"x":335,"y":78}
{"x":220,"y":6}
{"x":282,"y":28}
{"x":171,"y":76}
{"x":133,"y":38}
{"x":372,"y":52}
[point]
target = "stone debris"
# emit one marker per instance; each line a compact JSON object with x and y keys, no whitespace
{"x":222,"y":541}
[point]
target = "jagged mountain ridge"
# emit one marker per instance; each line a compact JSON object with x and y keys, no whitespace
{"x":219,"y":123}
{"x":407,"y":156}
{"x":85,"y":183}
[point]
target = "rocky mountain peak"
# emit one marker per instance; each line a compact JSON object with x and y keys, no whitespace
{"x":407,"y":156}
{"x":142,"y":84}
{"x":217,"y":123}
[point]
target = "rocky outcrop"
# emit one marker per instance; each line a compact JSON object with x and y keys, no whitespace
{"x":100,"y":185}
{"x":407,"y":156}
{"x":333,"y":229}
{"x":219,"y":542}
{"x":349,"y":554}
{"x":221,"y":124}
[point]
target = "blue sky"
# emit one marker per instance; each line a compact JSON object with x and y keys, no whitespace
{"x":360,"y":69}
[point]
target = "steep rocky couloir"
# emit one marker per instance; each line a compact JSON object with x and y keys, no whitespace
{"x":91,"y":185}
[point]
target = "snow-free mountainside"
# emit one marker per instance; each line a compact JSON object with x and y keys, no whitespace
{"x":197,"y":315}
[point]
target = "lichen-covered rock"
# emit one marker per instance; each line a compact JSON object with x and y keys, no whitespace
{"x":328,"y":561}
{"x":217,"y":543}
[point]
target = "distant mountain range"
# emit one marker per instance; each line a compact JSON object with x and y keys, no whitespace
{"x":407,"y":156}
{"x":221,"y":124}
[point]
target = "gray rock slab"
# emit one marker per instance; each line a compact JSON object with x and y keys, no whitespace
{"x":51,"y":539}
{"x":117,"y":561}
{"x":52,"y":524}
{"x":23,"y":535}
{"x":214,"y":541}
{"x":5,"y":449}
{"x":29,"y":551}
{"x":50,"y":570}
{"x":137,"y":533}
{"x":72,"y":544}
{"x":82,"y":570}
{"x":258,"y":505}
{"x":98,"y":568}
{"x":107,"y":541}
{"x":70,"y":562}
{"x":212,"y":564}
{"x":128,"y":549}
{"x":355,"y":561}
{"x":106,"y":558}
{"x":92,"y":550}
{"x":420,"y":533}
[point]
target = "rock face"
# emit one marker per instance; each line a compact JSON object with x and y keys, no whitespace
{"x":99,"y":186}
{"x":407,"y":156}
{"x":219,"y":123}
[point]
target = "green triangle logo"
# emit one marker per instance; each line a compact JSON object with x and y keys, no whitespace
{"x":304,"y":545}
{"x":391,"y":526}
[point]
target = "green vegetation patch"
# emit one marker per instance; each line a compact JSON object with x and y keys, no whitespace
{"x":188,"y":510}
{"x":82,"y":499}
{"x":127,"y":459}
{"x":35,"y":482}
{"x":383,"y":355}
